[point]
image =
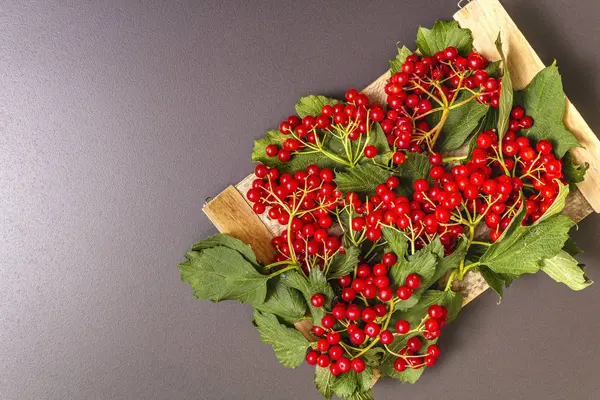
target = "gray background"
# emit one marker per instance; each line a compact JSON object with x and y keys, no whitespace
{"x":117,"y":118}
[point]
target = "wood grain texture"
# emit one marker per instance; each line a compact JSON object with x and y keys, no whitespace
{"x":485,"y":18}
{"x":230,"y":214}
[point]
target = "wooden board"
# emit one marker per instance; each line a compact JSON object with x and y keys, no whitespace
{"x":231,"y":213}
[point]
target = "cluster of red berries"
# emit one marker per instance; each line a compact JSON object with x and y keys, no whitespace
{"x":429,"y":328}
{"x":423,"y":80}
{"x":365,"y":322}
{"x":422,"y":218}
{"x":303,"y":202}
{"x":352,"y":119}
{"x":529,"y":164}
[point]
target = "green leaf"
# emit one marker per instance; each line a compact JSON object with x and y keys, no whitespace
{"x":424,"y":263}
{"x":544,"y":101}
{"x":461,"y":122}
{"x":361,"y":179}
{"x":312,"y":105}
{"x":444,"y":34}
{"x":226,"y":241}
{"x":397,"y":241}
{"x":373,"y":356}
{"x":221,"y":273}
{"x":343,"y":264}
{"x":285,"y":302}
{"x":494,"y":280}
{"x":564,"y":269}
{"x":506,"y":94}
{"x":571,"y":247}
{"x":377,"y":138}
{"x":324,"y":382}
{"x":396,"y":63}
{"x":557,"y":205}
{"x":288,"y":344}
{"x":416,"y":166}
{"x":450,"y":262}
{"x":316,"y":283}
{"x":368,"y":395}
{"x":493,"y":68}
{"x":522,"y":248}
{"x":300,"y":160}
{"x":574,"y":173}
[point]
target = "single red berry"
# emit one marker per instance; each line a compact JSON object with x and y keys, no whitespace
{"x":322,"y":345}
{"x":433,"y":350}
{"x":353,"y":312}
{"x":370,"y":151}
{"x":400,"y":364}
{"x":386,"y":294}
{"x":344,"y":364}
{"x":413,"y":281}
{"x":348,"y":294}
{"x":345,"y":281}
{"x":517,"y":112}
{"x":372,"y":329}
{"x":358,"y":365}
{"x":357,"y":336}
{"x":402,"y":327}
{"x":526,"y":122}
{"x":335,"y":352}
{"x":368,"y":314}
{"x":432,"y":325}
{"x":430,"y":360}
{"x":271,"y":150}
{"x":318,"y":330}
{"x":380,"y":309}
{"x":386,"y":337}
{"x":323,"y":361}
{"x":388,"y":259}
{"x":317,"y":300}
{"x":328,"y":321}
{"x":435,"y":159}
{"x":414,"y":343}
{"x":398,"y":158}
{"x":404,"y":293}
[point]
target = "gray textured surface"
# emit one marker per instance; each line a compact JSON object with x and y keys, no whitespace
{"x":117,"y":118}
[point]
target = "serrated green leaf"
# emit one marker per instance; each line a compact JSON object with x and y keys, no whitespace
{"x":288,"y":344}
{"x":524,"y":247}
{"x":396,"y":63}
{"x":324,"y":382}
{"x":368,"y":395}
{"x":544,"y":101}
{"x":373,"y":356}
{"x":574,"y":173}
{"x":343,"y":264}
{"x":564,"y":269}
{"x":221,"y":273}
{"x":315,"y":283}
{"x":299,"y":161}
{"x":506,"y":94}
{"x":361,"y":179}
{"x":397,"y":241}
{"x":286,"y":303}
{"x":461,"y":122}
{"x":226,"y":241}
{"x":312,"y":105}
{"x":442,"y":35}
{"x":416,"y":166}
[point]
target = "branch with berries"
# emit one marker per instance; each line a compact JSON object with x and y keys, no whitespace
{"x":379,"y":222}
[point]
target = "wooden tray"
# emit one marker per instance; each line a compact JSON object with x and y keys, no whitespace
{"x":232,"y":214}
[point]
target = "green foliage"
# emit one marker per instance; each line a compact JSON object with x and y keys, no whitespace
{"x":288,"y":344}
{"x":563,"y":268}
{"x":362,"y":179}
{"x":285,"y":302}
{"x":442,"y":35}
{"x":396,"y":63}
{"x":312,"y":105}
{"x":506,"y":94}
{"x":315,"y":283}
{"x":544,"y":100}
